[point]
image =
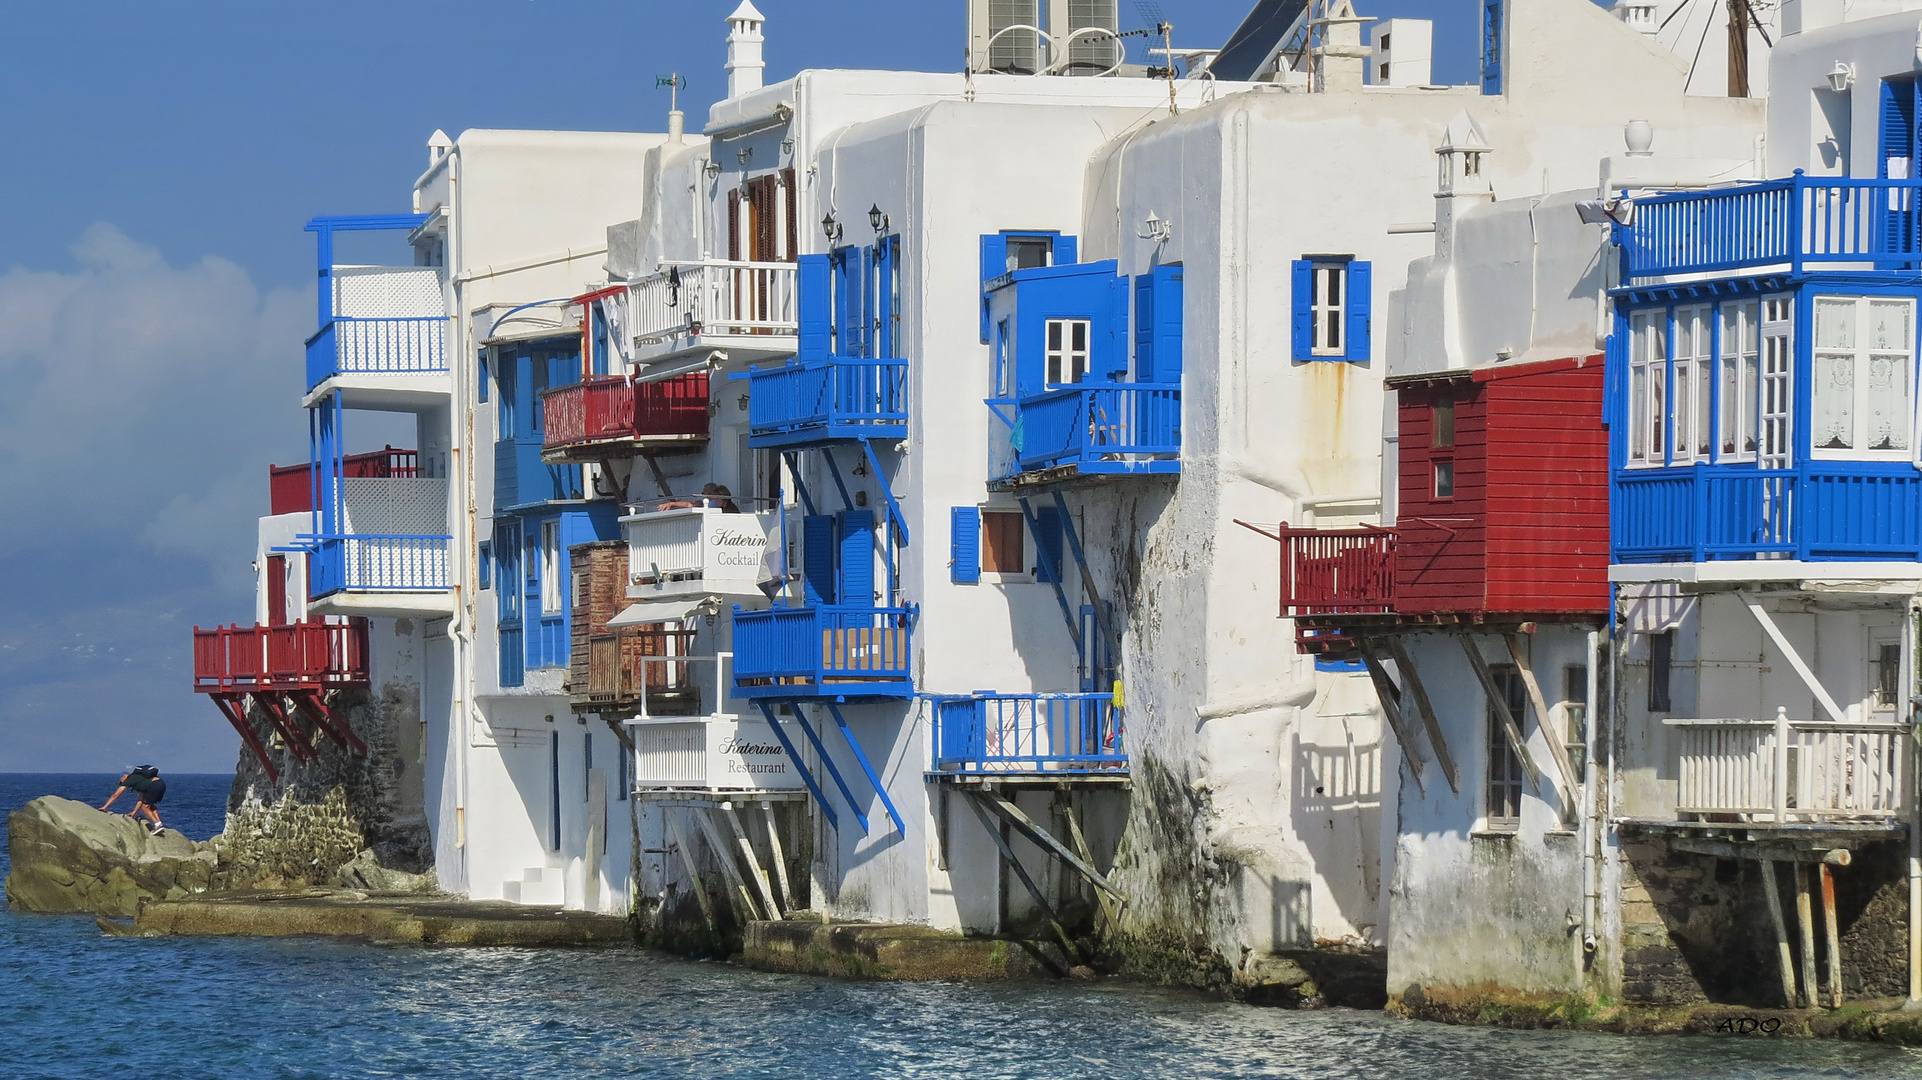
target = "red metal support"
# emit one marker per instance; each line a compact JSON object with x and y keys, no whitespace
{"x":336,"y":728}
{"x":290,"y":733}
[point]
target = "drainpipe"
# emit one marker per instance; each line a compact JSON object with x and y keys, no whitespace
{"x":1591,"y":843}
{"x":460,"y":432}
{"x":1915,"y":823}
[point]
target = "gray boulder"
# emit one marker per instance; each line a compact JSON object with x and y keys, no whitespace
{"x":69,"y":857}
{"x":364,"y":871}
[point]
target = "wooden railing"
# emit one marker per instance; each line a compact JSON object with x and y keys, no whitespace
{"x":1017,"y":733}
{"x":1337,"y":571}
{"x":1785,"y":770}
{"x":313,"y":654}
{"x":608,"y":408}
{"x":1788,"y":223}
{"x":714,"y":297}
{"x":786,"y":648}
{"x":630,"y":665}
{"x":291,"y":487}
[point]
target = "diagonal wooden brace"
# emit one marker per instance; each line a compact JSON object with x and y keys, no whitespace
{"x":230,"y":707}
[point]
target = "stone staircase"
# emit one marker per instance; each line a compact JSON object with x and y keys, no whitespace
{"x":539,"y":886}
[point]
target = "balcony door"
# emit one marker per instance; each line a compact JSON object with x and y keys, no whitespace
{"x":508,"y":596}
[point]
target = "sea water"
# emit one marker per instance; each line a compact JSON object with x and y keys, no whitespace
{"x":75,"y":1005}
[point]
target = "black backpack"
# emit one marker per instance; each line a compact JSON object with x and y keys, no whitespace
{"x":144,"y":772}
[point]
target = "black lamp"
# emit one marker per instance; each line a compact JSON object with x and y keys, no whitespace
{"x":876,"y":218}
{"x":830,"y":227}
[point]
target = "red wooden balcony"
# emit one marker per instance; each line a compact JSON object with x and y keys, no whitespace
{"x":1337,"y":571}
{"x":309,"y":655}
{"x":291,"y":487}
{"x":606,"y":412}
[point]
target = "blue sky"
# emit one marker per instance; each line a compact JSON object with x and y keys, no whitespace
{"x":155,"y":283}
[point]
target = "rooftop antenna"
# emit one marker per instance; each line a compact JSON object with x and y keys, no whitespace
{"x":1158,"y":24}
{"x":676,"y":120}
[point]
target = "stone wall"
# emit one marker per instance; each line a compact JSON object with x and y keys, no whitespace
{"x":1696,"y":928}
{"x":319,"y":815}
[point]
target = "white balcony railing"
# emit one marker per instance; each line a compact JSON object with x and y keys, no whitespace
{"x":714,"y":298}
{"x":717,"y":752}
{"x":1784,"y":770}
{"x":696,"y":548}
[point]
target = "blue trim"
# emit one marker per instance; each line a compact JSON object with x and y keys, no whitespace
{"x":827,"y":762}
{"x":807,"y":778}
{"x":1494,"y":36}
{"x":861,"y":756}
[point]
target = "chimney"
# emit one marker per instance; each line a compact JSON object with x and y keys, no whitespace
{"x":1341,"y":59}
{"x":1462,"y":182}
{"x":744,"y":39}
{"x":1639,"y":15}
{"x":438,"y":144}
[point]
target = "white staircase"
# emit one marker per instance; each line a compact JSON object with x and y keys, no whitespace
{"x":539,"y":886}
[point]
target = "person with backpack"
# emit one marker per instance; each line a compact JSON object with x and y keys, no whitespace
{"x":148,"y":788}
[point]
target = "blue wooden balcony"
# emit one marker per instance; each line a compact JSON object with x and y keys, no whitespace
{"x":1821,"y":511}
{"x":1114,"y":429}
{"x":824,"y":651}
{"x":1793,"y":224}
{"x":377,"y":563}
{"x":827,"y":399}
{"x":409,"y":345}
{"x":1000,"y":734}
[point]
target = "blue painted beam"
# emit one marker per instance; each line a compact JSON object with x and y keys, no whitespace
{"x":827,"y":763}
{"x":807,"y":777}
{"x":862,"y":757}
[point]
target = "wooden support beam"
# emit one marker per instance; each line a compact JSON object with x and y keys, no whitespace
{"x":778,"y":856}
{"x":693,"y":870}
{"x":1411,"y":679}
{"x":231,"y":708}
{"x":756,"y":873}
{"x":1805,"y":922}
{"x":1760,"y":849}
{"x":1499,"y":704}
{"x":1007,"y":856}
{"x":1042,"y":839}
{"x":660,"y":478}
{"x":1801,"y":668}
{"x":1391,"y":711}
{"x":296,"y":740}
{"x":1111,"y":908}
{"x":1832,"y":933}
{"x":715,"y":841}
{"x":1785,"y":958}
{"x":1556,"y":751}
{"x":315,"y":707}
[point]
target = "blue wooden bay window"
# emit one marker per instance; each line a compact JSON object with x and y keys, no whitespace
{"x":1763,"y":418}
{"x":535,"y":587}
{"x":526,"y":369}
{"x":1331,"y":298}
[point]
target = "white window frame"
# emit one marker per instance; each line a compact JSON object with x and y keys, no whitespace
{"x":1775,"y":400}
{"x":1062,"y":354}
{"x":551,"y":568}
{"x":1738,"y":367}
{"x":1691,"y":356}
{"x":1648,"y":388}
{"x":1328,"y":308}
{"x":1860,"y":358}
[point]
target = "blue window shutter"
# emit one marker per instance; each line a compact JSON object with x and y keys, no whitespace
{"x":857,"y":557}
{"x":1361,"y":296}
{"x":1064,"y":251}
{"x":994,"y":263}
{"x":964,"y":546}
{"x":817,"y":559}
{"x":1144,"y":322}
{"x":1047,"y":543}
{"x":1167,"y":324}
{"x":481,"y":388}
{"x":1303,"y":274}
{"x":484,"y":564}
{"x":1897,"y":129}
{"x":1492,"y":37}
{"x":816,"y":293}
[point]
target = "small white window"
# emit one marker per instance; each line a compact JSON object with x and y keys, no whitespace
{"x":1778,"y":363}
{"x":550,"y":568}
{"x":1693,"y":337}
{"x":1328,"y":305}
{"x":1067,"y":350}
{"x":1648,"y":388}
{"x":1739,"y":365}
{"x":1862,"y":395}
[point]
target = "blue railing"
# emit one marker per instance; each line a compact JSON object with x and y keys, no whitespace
{"x":835,"y":397}
{"x":1104,"y":428}
{"x":1775,"y":223}
{"x":1816,"y":512}
{"x":1004,"y":733}
{"x":406,"y":346}
{"x":823,"y":651}
{"x":377,"y":563}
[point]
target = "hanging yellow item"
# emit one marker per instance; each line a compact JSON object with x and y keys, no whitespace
{"x":1119,"y":698}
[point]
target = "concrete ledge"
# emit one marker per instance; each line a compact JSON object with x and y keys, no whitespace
{"x":890,"y":952}
{"x":388,"y":918}
{"x":1867,"y":1021}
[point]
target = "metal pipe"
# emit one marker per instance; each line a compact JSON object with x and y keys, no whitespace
{"x":1592,"y":826}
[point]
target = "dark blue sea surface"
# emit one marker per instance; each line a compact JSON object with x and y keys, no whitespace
{"x":75,"y":1005}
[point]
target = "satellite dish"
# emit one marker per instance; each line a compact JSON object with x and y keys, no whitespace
{"x":1259,"y":37}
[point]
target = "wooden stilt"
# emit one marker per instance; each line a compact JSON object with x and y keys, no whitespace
{"x":1412,"y":680}
{"x":1833,"y":934}
{"x":693,"y":871}
{"x":712,"y":833}
{"x":1110,"y":906}
{"x":1391,"y":712}
{"x":1785,"y":958}
{"x":778,"y":856}
{"x":230,"y":707}
{"x":757,"y":873}
{"x":297,"y":742}
{"x":1007,"y":855}
{"x":1805,"y":922}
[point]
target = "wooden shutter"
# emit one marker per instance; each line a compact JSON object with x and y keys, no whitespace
{"x":790,"y":204}
{"x":733,"y":225}
{"x":964,"y":546}
{"x":1303,"y":287}
{"x":1144,"y":336}
{"x":816,"y":289}
{"x":857,"y":557}
{"x":1360,"y":296}
{"x":1167,"y":324}
{"x":817,"y":559}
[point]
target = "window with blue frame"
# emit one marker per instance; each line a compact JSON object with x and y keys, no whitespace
{"x":1711,"y":382}
{"x":1861,"y":402}
{"x":1332,"y":298}
{"x":507,"y":574}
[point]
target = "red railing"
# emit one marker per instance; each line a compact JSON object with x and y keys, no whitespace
{"x":303,"y":655}
{"x":291,"y":488}
{"x":1337,"y":571}
{"x":607,"y":407}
